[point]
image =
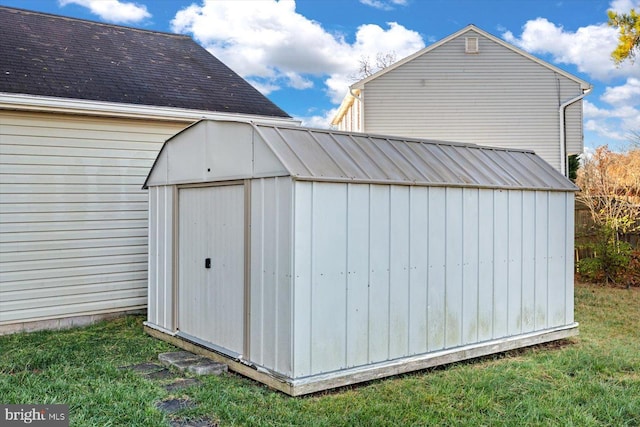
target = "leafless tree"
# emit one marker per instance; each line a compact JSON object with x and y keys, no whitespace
{"x":368,"y":67}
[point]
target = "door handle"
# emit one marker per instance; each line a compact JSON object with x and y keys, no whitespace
{"x":207,"y":263}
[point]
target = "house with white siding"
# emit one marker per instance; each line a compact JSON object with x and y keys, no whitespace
{"x":84,"y":110}
{"x":472,"y":87}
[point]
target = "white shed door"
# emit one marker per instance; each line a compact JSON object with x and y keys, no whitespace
{"x":211,"y":266}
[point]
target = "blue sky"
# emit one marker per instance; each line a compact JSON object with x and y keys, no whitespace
{"x":304,"y":54}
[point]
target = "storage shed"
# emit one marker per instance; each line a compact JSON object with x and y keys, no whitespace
{"x":310,"y":259}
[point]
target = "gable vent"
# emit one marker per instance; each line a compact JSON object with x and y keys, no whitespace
{"x":471,"y":45}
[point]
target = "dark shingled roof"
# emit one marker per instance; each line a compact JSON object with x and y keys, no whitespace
{"x":49,"y":55}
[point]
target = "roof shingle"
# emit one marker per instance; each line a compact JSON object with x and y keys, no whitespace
{"x":49,"y":55}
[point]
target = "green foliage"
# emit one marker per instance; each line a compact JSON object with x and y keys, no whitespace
{"x":628,"y":37}
{"x":574,"y":164}
{"x":610,"y":257}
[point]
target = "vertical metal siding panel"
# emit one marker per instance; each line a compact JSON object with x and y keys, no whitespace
{"x":514,"y":303}
{"x":541,"y":254}
{"x":329,"y":243}
{"x":164,"y":296}
{"x":270,"y":250}
{"x":171,"y":194}
{"x":379,"y":273}
{"x":470,"y":285}
{"x":358,"y":206}
{"x":256,"y":342}
{"x":437,"y":277}
{"x":303,"y":205}
{"x":170,"y":252}
{"x":569,"y":254}
{"x":557,"y":262}
{"x":162,"y":229}
{"x":418,"y":269}
{"x":453,"y":266}
{"x":528,"y":261}
{"x":485,"y":264}
{"x":154,"y":265}
{"x":500,"y":264}
{"x":399,"y":233}
{"x":283,"y":282}
{"x":271,"y":212}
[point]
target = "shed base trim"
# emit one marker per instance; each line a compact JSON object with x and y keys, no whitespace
{"x":315,"y":383}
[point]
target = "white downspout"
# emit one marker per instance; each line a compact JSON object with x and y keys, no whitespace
{"x":563,"y":134}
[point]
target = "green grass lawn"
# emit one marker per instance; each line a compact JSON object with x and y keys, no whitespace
{"x":591,"y":380}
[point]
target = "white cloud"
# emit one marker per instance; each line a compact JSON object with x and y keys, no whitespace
{"x":627,"y":94}
{"x":604,"y":129}
{"x":321,"y":121}
{"x":616,"y":122}
{"x":255,"y":37}
{"x":384,"y":4}
{"x":264,"y":88}
{"x":112,"y":10}
{"x":272,"y":45}
{"x":296,"y":81}
{"x":624,"y":6}
{"x":588,"y":48}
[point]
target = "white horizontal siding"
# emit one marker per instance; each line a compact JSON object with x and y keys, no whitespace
{"x":384,"y":272}
{"x":73,"y":217}
{"x":496,"y":97}
{"x":574,"y":128}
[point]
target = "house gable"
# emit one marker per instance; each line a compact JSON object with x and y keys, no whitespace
{"x":498,"y":96}
{"x":470,"y":31}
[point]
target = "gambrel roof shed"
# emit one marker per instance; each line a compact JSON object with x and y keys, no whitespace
{"x":309,"y":259}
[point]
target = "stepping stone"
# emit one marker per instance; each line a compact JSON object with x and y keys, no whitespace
{"x":174,"y":405}
{"x":207,"y":367}
{"x":196,"y":364}
{"x":174,"y":357}
{"x":162,"y":374}
{"x":143,"y":368}
{"x":180,"y":384}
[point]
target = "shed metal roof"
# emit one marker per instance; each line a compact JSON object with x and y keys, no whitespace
{"x":326,"y":155}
